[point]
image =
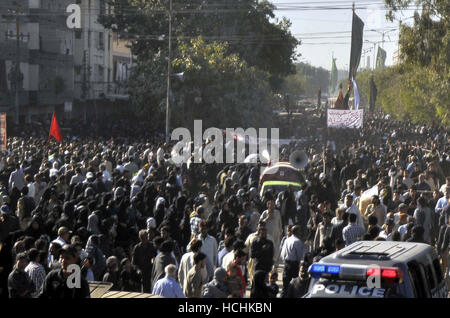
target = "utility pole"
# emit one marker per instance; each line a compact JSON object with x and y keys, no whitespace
{"x":374,"y":52}
{"x":383,"y":33}
{"x":331,"y":90}
{"x":350,"y":64}
{"x":374,"y":55}
{"x":85,"y":87}
{"x":89,"y":38}
{"x":168,"y":74}
{"x":17,"y":71}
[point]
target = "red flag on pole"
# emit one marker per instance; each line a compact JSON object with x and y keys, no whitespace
{"x":54,"y":130}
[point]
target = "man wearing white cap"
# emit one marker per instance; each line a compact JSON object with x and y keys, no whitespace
{"x":89,"y":178}
{"x":151,"y":228}
{"x":151,"y":223}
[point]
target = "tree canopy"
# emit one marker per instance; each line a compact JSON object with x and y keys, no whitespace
{"x":243,"y":33}
{"x":219,"y":86}
{"x":307,"y":80}
{"x":419,"y":87}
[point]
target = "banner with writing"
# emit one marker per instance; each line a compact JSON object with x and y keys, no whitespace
{"x":345,"y":118}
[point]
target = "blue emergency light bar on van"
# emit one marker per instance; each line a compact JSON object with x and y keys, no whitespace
{"x":322,"y":268}
{"x":353,"y":272}
{"x":319,"y":270}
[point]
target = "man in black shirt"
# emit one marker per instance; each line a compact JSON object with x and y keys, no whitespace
{"x":359,"y":180}
{"x":336,"y":231}
{"x":243,"y":231}
{"x":298,"y":286}
{"x":411,"y":198}
{"x":262,"y":250}
{"x":19,"y":283}
{"x":8,"y":222}
{"x":64,"y":283}
{"x":25,"y":206}
{"x":142,"y":256}
{"x":346,"y":173}
{"x":422,"y":185}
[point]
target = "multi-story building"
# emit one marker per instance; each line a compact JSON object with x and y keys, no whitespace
{"x":102,"y":62}
{"x":76,"y":72}
{"x":45,"y":52}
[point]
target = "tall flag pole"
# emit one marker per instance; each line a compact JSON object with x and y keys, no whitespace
{"x":55,"y":132}
{"x":357,"y":44}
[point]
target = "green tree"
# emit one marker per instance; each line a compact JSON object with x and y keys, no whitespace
{"x":425,"y":55}
{"x":247,"y":27}
{"x":218,"y":86}
{"x":306,"y":81}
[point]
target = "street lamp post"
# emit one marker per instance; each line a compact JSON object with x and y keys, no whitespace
{"x":374,"y":52}
{"x":168,"y":75}
{"x":383,"y":33}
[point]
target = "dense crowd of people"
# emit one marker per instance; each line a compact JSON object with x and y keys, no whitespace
{"x":125,"y":214}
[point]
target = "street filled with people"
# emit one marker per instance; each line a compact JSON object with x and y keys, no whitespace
{"x":112,"y":202}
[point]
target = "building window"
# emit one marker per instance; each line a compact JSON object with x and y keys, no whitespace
{"x":78,"y":34}
{"x":101,"y":41}
{"x":100,"y":73}
{"x":102,"y":7}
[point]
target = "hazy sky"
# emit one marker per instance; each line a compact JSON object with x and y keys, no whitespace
{"x":329,"y":30}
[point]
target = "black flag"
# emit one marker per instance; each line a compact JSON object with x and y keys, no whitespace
{"x":357,"y":44}
{"x":373,"y":94}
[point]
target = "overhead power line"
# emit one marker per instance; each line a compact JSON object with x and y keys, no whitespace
{"x":224,"y":8}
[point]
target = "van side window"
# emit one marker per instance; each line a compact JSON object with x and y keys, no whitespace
{"x":418,"y":280}
{"x":437,"y":270}
{"x":430,"y":277}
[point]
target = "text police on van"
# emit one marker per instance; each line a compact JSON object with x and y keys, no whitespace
{"x":345,"y":289}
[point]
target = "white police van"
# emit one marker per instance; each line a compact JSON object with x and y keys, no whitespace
{"x":379,"y":269}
